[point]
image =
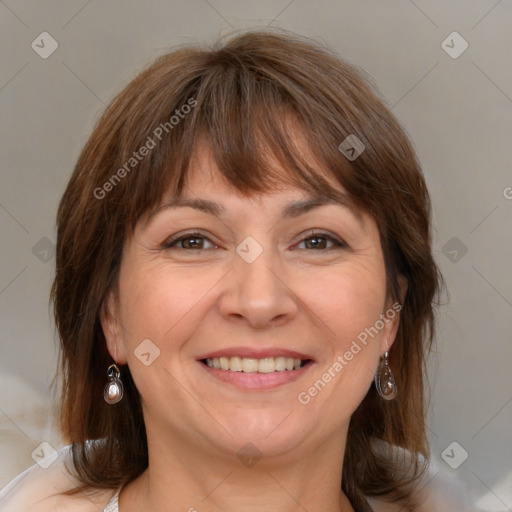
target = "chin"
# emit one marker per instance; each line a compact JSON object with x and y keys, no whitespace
{"x":271,"y":433}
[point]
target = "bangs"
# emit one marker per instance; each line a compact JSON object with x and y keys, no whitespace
{"x":262,"y":132}
{"x":259,"y":137}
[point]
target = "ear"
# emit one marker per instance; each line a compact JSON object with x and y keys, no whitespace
{"x":112,"y":329}
{"x":392,"y":317}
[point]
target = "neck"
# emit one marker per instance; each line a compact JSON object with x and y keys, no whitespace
{"x":182,"y":477}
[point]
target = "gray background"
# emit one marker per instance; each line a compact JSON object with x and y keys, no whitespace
{"x":458,"y":112}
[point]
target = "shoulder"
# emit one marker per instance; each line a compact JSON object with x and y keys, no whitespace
{"x":41,"y":488}
{"x":437,"y":491}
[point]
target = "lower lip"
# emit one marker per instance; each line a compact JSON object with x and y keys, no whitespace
{"x":257,"y":381}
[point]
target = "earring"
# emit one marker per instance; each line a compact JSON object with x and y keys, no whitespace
{"x":113,"y":391}
{"x":385,"y":380}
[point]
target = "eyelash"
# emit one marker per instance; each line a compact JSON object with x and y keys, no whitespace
{"x":338,"y":243}
{"x":169,"y":244}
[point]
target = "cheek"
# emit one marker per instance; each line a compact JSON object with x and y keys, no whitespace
{"x":162,"y":305}
{"x":349,"y":300}
{"x":159,"y":306}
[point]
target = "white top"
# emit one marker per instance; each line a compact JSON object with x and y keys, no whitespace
{"x":112,"y":505}
{"x":39,"y":489}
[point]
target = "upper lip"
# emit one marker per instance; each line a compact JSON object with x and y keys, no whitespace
{"x":255,"y":353}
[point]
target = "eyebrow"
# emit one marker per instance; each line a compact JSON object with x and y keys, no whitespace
{"x":290,"y":210}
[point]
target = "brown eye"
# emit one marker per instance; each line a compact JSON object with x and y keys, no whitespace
{"x":317,"y":242}
{"x":189,"y":241}
{"x":192,"y":242}
{"x":320,"y":241}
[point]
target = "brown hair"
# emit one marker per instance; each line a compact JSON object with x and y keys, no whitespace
{"x":241,"y":96}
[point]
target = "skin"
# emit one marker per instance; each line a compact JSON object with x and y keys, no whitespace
{"x":189,"y":301}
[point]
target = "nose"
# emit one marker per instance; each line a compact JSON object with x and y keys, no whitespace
{"x":258,"y":294}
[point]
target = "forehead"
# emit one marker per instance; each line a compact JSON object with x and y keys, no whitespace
{"x":204,"y":176}
{"x":259,"y":173}
{"x":206,"y":181}
{"x":208,"y":190}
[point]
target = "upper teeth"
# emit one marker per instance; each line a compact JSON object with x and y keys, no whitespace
{"x":246,"y":364}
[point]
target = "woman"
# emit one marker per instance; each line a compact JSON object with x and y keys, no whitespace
{"x":243,"y":294}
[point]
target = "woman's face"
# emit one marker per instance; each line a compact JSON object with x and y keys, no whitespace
{"x":217,"y":279}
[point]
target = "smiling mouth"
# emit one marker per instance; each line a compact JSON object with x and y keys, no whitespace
{"x":251,"y":365}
